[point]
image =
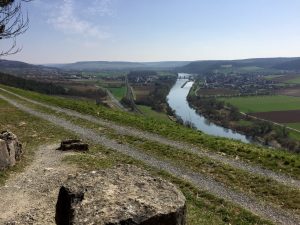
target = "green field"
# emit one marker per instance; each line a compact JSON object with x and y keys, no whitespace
{"x":264,"y":103}
{"x":118,"y":92}
{"x":271,"y":77}
{"x":294,"y":81}
{"x":294,"y":125}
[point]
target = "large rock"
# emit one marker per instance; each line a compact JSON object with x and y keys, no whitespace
{"x":123,"y":195}
{"x":10,"y":149}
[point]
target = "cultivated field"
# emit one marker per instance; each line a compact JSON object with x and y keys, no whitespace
{"x":118,"y":92}
{"x":216,"y":91}
{"x":292,"y":116}
{"x":294,"y":81}
{"x":291,"y":91}
{"x":289,"y":79}
{"x":271,"y":103}
{"x":142,"y":92}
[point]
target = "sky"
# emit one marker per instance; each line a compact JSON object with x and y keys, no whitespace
{"x":64,"y":31}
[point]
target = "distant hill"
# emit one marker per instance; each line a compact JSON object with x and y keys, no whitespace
{"x":243,"y":66}
{"x":107,"y":65}
{"x":289,"y":65}
{"x":23,"y":69}
{"x":8,"y":64}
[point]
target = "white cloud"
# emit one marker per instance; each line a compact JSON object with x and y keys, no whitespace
{"x":65,"y":19}
{"x":100,"y":8}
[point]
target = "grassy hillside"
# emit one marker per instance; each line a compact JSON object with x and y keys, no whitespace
{"x":276,"y":160}
{"x":203,"y":208}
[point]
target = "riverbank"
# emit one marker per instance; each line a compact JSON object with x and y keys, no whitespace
{"x":177,"y":100}
{"x":229,"y":116}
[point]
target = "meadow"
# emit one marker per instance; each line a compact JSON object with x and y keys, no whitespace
{"x":118,"y":92}
{"x":252,"y":104}
{"x":294,"y":81}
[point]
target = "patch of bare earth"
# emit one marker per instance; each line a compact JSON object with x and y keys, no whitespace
{"x":30,"y":197}
{"x":291,"y":116}
{"x":292,"y":91}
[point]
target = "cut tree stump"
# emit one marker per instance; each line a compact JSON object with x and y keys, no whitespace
{"x":75,"y":145}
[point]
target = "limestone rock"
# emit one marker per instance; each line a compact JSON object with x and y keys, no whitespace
{"x":10,"y":149}
{"x":123,"y":195}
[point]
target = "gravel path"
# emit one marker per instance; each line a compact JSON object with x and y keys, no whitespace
{"x":30,"y":197}
{"x":124,"y":130}
{"x":266,"y":211}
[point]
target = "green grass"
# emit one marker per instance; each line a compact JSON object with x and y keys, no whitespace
{"x":294,"y":125}
{"x":271,"y":77}
{"x":294,"y":134}
{"x":148,"y":112}
{"x":244,"y":123}
{"x":294,"y":81}
{"x":118,"y":92}
{"x":264,"y":103}
{"x":276,"y":160}
{"x":32,"y":133}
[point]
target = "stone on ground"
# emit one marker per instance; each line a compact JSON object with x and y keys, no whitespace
{"x":122,"y":195}
{"x":10,"y":149}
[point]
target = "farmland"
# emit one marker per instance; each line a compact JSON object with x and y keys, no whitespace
{"x":216,"y":91}
{"x":292,"y":116}
{"x":289,"y":91}
{"x":265,"y":103}
{"x":284,"y":79}
{"x":118,"y":92}
{"x":294,"y":81}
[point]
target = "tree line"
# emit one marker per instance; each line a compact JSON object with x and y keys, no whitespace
{"x":50,"y":88}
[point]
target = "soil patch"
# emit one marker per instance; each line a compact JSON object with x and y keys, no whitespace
{"x":291,"y":116}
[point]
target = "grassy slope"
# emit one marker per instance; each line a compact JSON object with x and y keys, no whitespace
{"x":119,"y":92}
{"x":203,"y":208}
{"x":148,"y":112}
{"x":267,"y":190}
{"x":264,"y":103}
{"x":273,"y":159}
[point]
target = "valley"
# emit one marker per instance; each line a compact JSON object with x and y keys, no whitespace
{"x":133,"y":147}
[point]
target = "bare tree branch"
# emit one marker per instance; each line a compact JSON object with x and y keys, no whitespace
{"x":13,"y":22}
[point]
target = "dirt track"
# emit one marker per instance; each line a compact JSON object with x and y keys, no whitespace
{"x":30,"y":196}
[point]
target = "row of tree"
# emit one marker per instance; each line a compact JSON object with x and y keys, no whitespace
{"x":50,"y":88}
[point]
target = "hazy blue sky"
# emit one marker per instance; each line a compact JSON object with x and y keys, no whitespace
{"x":154,"y":30}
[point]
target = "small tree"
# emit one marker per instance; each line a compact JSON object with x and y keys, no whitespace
{"x":12,"y":23}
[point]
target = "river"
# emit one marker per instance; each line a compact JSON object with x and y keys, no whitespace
{"x":177,"y":100}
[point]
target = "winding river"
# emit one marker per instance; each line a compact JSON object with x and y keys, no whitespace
{"x":177,"y":101}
